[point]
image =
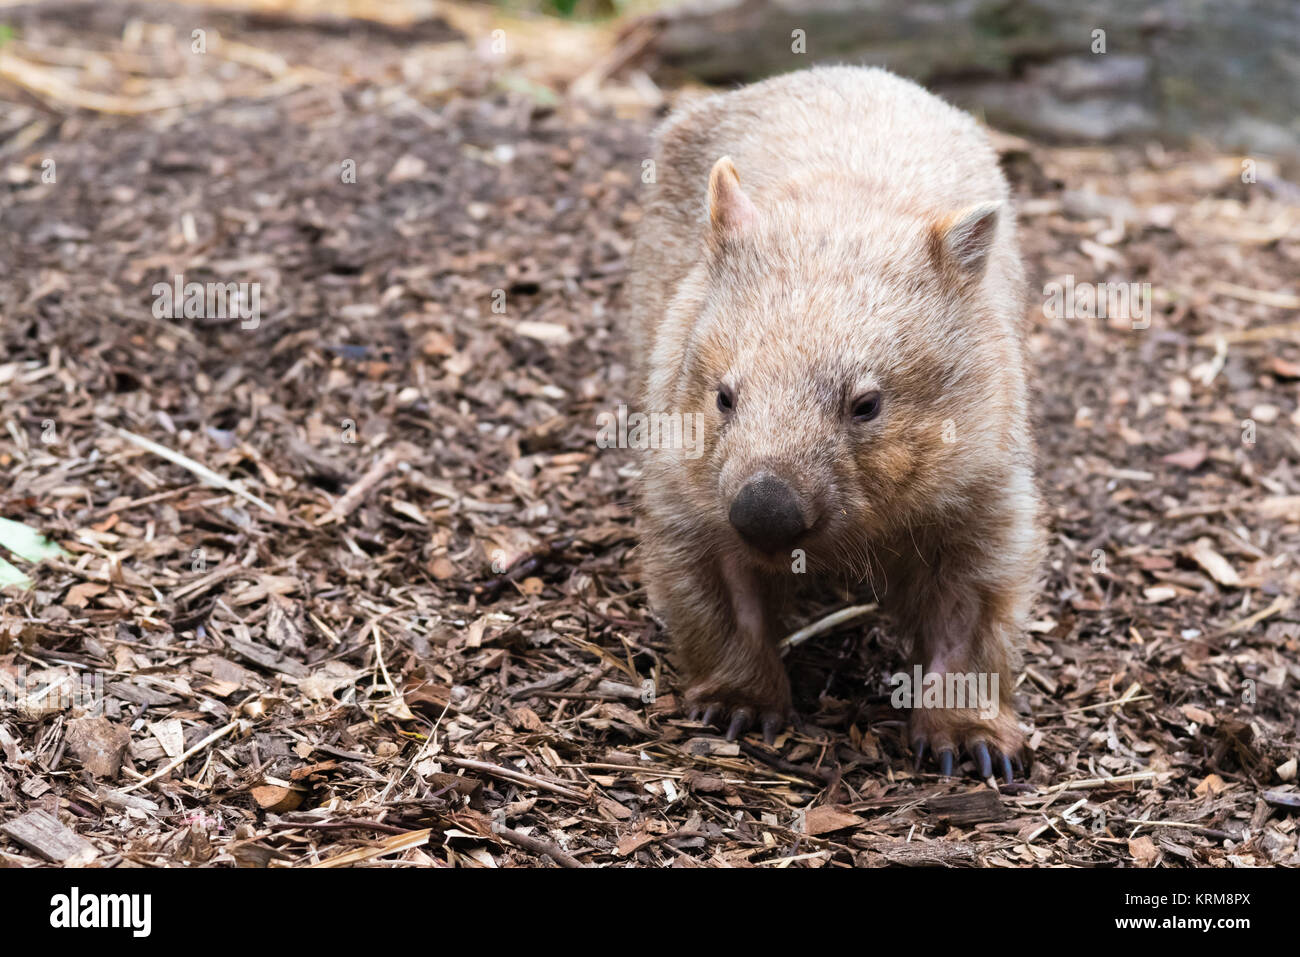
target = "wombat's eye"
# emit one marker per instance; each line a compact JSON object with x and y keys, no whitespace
{"x":726,"y":401}
{"x":866,"y":407}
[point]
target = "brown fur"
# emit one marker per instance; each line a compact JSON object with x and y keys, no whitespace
{"x":855,"y":235}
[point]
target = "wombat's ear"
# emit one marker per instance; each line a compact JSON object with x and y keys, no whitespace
{"x":961,"y":241}
{"x":730,"y":211}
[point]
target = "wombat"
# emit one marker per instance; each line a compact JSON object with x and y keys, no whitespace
{"x":827,"y":272}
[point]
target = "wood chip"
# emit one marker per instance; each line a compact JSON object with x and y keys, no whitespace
{"x":828,"y":818}
{"x":100,"y":745}
{"x":48,"y":837}
{"x":1215,"y":565}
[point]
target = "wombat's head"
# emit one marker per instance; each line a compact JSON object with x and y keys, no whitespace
{"x":848,"y":364}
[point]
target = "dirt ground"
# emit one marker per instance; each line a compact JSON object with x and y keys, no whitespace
{"x":413,"y":633}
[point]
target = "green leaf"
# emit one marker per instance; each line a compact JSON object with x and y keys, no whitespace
{"x":28,"y":544}
{"x":12,"y":576}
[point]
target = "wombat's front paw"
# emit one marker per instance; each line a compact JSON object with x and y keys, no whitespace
{"x":992,"y":743}
{"x":738,"y":709}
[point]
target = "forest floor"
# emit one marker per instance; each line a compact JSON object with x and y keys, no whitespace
{"x":409,"y":630}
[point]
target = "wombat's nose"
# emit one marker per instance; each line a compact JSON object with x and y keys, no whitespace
{"x":767,"y":513}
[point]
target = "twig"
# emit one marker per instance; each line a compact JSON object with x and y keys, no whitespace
{"x":108,"y":510}
{"x":1194,"y":511}
{"x":580,"y":696}
{"x":821,"y":775}
{"x":206,"y":474}
{"x":398,"y":842}
{"x":1093,"y":707}
{"x":522,"y":567}
{"x":517,"y":777}
{"x":49,"y":86}
{"x":824,"y":624}
{"x":1281,"y":604}
{"x":339,"y":826}
{"x":1100,"y":782}
{"x":379,"y":654}
{"x":182,"y":758}
{"x":629,"y":46}
{"x":1279,"y":300}
{"x":1208,"y":831}
{"x":372,"y":477}
{"x":537,"y":846}
{"x":787,"y":861}
{"x":1288,"y":330}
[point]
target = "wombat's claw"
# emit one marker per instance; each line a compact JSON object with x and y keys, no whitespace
{"x":945,"y":762}
{"x":984,"y":759}
{"x":981,"y":752}
{"x":992,"y":746}
{"x":741,"y":719}
{"x":772,"y":725}
{"x":987,"y":758}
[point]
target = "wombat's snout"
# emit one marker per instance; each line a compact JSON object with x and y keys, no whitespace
{"x":767,"y":514}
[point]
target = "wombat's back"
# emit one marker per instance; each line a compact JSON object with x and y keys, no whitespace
{"x":916,"y":150}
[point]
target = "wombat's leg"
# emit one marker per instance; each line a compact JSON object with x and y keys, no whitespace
{"x":724,"y":631}
{"x":964,"y":631}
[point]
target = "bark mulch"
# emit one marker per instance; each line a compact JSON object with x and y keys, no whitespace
{"x":407,"y":629}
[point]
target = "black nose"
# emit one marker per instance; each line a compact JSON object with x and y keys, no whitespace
{"x":767,"y":513}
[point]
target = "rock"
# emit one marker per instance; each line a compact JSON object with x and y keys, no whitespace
{"x":1099,"y":71}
